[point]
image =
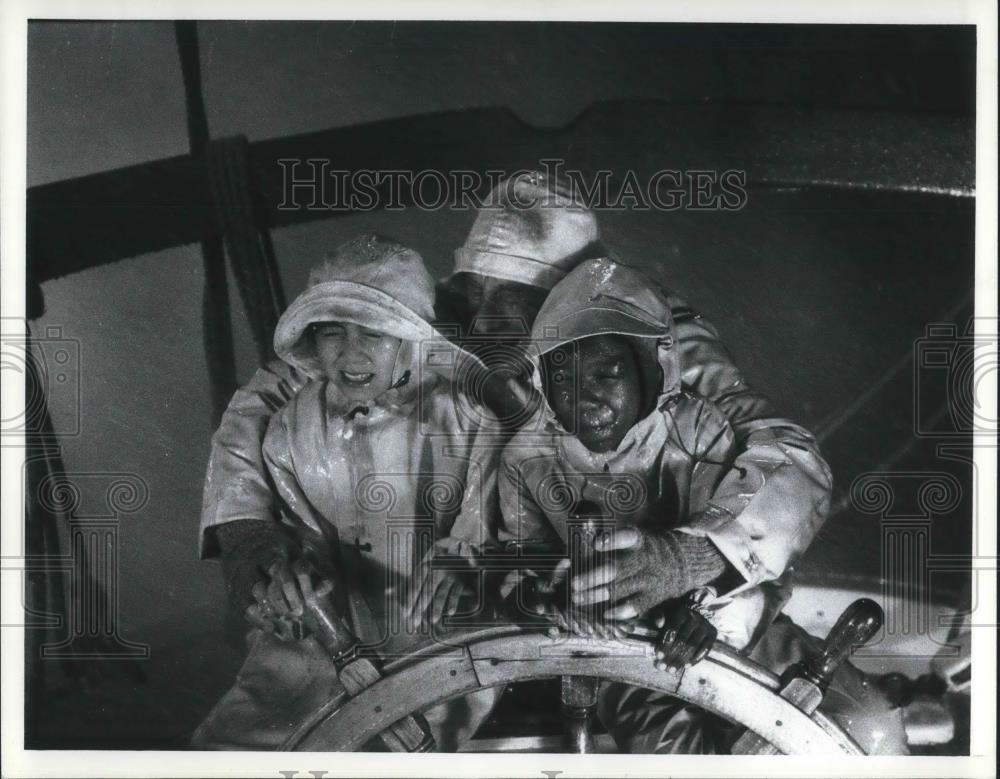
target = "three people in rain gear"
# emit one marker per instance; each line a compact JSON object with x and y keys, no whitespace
{"x":523,"y":244}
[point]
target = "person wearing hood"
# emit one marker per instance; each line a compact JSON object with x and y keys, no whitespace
{"x":531,"y":234}
{"x":618,"y":440}
{"x":621,"y":452}
{"x":372,"y":463}
{"x":528,"y":236}
{"x":532,"y":231}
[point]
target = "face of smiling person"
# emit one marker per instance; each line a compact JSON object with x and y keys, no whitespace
{"x":596,"y":389}
{"x":356,"y":359}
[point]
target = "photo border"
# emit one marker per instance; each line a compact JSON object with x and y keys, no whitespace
{"x":17,"y":762}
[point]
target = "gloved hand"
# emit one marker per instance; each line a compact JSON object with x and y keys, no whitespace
{"x":280,"y":599}
{"x":642,"y":568}
{"x":685,"y":636}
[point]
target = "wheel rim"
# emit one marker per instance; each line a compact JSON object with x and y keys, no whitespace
{"x":724,"y":683}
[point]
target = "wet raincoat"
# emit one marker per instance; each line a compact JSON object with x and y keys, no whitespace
{"x":367,"y":489}
{"x":680,"y":468}
{"x":673,"y":470}
{"x":786,"y":489}
{"x":787,"y":485}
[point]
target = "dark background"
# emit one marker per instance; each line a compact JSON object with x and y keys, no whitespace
{"x":820,"y":292}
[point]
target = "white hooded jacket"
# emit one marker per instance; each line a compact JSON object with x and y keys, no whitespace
{"x":373,"y":487}
{"x":674,"y":469}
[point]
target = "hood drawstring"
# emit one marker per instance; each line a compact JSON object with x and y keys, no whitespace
{"x":364,"y":410}
{"x":680,"y":442}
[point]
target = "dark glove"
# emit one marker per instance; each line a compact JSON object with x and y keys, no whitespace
{"x":685,"y":636}
{"x":641,"y":569}
{"x":280,"y":599}
{"x":264,"y":571}
{"x":248,"y":547}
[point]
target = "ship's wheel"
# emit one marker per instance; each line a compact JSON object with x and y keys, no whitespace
{"x":724,"y":683}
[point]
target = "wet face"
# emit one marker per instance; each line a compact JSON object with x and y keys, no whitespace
{"x":502,"y":313}
{"x":594,"y":387}
{"x":358,"y":360}
{"x":487,"y":306}
{"x":506,"y":307}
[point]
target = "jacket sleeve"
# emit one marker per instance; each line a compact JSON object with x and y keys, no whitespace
{"x":766,"y":508}
{"x":524,"y":524}
{"x":236,"y":483}
{"x":292,"y":507}
{"x":478,"y":520}
{"x":708,"y":368}
{"x":742,"y":607}
{"x":771,"y":505}
{"x":522,"y":521}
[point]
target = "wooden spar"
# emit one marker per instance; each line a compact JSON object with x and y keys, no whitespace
{"x":88,"y":221}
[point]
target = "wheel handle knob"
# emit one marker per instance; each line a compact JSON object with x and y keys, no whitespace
{"x":855,"y":627}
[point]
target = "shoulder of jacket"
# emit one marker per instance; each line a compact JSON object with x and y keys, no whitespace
{"x":703,"y":414}
{"x":528,"y":445}
{"x":301,"y":407}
